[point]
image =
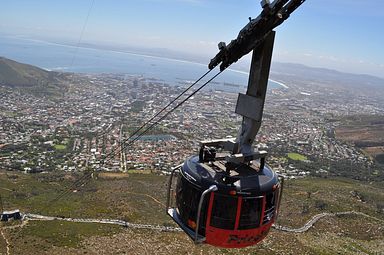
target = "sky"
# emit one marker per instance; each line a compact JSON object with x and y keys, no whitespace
{"x":345,"y":35}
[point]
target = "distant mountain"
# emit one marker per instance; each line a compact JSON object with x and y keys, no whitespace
{"x":326,"y":76}
{"x":31,"y":78}
{"x":155,"y":52}
{"x":15,"y":74}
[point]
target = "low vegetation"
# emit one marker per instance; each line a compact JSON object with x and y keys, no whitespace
{"x":139,"y":198}
{"x":296,"y":156}
{"x":365,"y":132}
{"x":31,"y":79}
{"x":60,"y":147}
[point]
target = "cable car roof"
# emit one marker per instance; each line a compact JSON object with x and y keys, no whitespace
{"x":244,"y":180}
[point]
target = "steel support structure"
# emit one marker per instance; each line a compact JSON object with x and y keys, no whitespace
{"x":251,"y":104}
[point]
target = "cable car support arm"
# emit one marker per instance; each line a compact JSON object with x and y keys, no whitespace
{"x":257,"y":36}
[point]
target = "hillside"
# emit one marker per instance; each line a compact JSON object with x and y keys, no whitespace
{"x":30,"y":78}
{"x":365,"y":132}
{"x":327,"y":76}
{"x":139,"y":198}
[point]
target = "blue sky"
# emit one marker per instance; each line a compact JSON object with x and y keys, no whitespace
{"x":344,"y":35}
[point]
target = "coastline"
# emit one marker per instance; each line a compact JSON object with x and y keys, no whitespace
{"x":247,"y":73}
{"x":89,"y":61}
{"x":280,"y":83}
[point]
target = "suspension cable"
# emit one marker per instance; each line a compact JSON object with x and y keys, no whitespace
{"x":82,"y":180}
{"x":82,"y":33}
{"x":166,"y":114}
{"x":158,"y":113}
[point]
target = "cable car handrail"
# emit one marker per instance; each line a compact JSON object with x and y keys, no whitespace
{"x":270,"y":209}
{"x":268,"y":216}
{"x":257,"y":197}
{"x":281,"y":178}
{"x":170,"y":186}
{"x":212,"y":188}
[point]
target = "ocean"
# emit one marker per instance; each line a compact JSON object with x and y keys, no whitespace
{"x":66,"y":58}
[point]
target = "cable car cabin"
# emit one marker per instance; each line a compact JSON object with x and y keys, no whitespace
{"x":226,"y":209}
{"x":232,"y":200}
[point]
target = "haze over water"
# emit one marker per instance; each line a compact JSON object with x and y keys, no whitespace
{"x":66,"y":58}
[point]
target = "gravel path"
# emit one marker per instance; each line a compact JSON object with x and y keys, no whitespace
{"x":306,"y":227}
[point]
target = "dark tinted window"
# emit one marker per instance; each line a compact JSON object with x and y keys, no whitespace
{"x":187,"y":201}
{"x":270,"y":201}
{"x":224,"y":212}
{"x":187,"y":197}
{"x":250,"y":213}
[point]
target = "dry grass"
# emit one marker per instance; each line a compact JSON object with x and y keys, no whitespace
{"x":138,"y":198}
{"x":113,"y":175}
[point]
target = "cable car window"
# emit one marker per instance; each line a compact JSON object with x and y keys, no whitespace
{"x":270,"y":206}
{"x":270,"y":201}
{"x":189,"y":196}
{"x":224,"y":212}
{"x":187,"y":202}
{"x":250,"y":213}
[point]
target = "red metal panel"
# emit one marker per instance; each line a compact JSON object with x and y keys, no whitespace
{"x":236,"y":238}
{"x":210,"y":205}
{"x":238,"y":212}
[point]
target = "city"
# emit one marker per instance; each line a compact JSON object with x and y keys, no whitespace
{"x":109,"y":146}
{"x":88,"y":127}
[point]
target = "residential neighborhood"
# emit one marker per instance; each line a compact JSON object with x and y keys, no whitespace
{"x":91,"y":126}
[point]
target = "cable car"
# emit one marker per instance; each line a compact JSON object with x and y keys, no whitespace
{"x":230,"y":209}
{"x":227,"y":196}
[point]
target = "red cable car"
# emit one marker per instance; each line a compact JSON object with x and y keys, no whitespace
{"x":230,"y":209}
{"x":232,"y":199}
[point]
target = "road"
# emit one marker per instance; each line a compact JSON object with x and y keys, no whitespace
{"x":29,"y":216}
{"x":306,"y":227}
{"x":317,"y":217}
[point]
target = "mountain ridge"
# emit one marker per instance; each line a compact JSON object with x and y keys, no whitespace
{"x":31,"y":78}
{"x":327,"y":76}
